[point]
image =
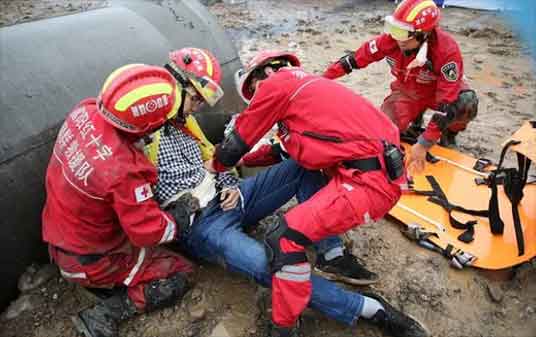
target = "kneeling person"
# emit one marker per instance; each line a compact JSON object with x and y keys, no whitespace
{"x":101,"y":223}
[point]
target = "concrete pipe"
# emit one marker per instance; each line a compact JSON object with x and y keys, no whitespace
{"x":47,"y":66}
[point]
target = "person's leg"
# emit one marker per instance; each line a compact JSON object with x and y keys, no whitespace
{"x":403,"y":109}
{"x":466,"y":110}
{"x":270,"y":189}
{"x":273,"y":187}
{"x":149,"y":279}
{"x":220,"y":239}
{"x":342,"y":204}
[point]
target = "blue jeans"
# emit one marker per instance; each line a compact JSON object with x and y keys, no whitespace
{"x":217,"y":236}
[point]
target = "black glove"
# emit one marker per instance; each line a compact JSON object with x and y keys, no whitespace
{"x":182,"y":210}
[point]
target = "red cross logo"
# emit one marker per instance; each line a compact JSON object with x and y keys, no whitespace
{"x":144,"y":192}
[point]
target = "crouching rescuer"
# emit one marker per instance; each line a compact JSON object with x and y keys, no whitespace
{"x":323,"y":126}
{"x":100,"y":220}
{"x":428,"y":68}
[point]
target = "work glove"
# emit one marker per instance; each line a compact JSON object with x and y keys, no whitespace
{"x":183,"y":210}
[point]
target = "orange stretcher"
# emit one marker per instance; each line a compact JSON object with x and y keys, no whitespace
{"x":455,"y":174}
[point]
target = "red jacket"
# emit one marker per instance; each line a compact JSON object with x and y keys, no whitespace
{"x":99,"y":189}
{"x":439,"y":81}
{"x":321,"y":122}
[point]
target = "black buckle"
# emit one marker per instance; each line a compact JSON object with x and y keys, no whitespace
{"x":481,"y":164}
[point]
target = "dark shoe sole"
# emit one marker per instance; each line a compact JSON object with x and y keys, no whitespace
{"x":387,"y":304}
{"x":345,"y":279}
{"x":80,"y":326}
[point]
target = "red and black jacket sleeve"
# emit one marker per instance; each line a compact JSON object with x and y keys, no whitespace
{"x":252,"y":124}
{"x":265,"y":155}
{"x":371,"y":51}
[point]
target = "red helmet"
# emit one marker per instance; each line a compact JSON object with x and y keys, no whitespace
{"x":412,"y":16}
{"x":138,"y":98}
{"x":242,"y":76}
{"x":201,"y":69}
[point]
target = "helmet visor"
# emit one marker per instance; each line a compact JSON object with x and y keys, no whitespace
{"x":397,"y":30}
{"x":207,"y":88}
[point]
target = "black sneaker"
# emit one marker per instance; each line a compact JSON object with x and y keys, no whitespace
{"x":346,"y":269}
{"x":396,"y":323}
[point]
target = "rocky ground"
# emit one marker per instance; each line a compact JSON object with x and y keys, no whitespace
{"x":452,"y":303}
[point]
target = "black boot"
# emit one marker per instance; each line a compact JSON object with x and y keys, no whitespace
{"x":394,"y":322}
{"x":346,"y":269}
{"x":277,"y":331}
{"x":102,"y":319}
{"x":165,"y":292}
{"x":448,"y":138}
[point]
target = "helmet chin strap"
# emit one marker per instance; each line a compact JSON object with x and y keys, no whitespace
{"x":422,"y":38}
{"x":180,"y":113}
{"x":184,"y":83}
{"x":179,"y":118}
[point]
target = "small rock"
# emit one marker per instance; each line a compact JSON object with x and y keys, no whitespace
{"x":197,"y":313}
{"x":495,"y":292}
{"x":292,"y":44}
{"x":220,"y":331}
{"x":34,"y":277}
{"x":55,"y":297}
{"x":20,"y":305}
{"x":424,"y":298}
{"x":530,"y":310}
{"x":478,"y":59}
{"x":196,"y":294}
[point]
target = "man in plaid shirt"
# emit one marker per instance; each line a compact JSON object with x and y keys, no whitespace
{"x":180,"y":165}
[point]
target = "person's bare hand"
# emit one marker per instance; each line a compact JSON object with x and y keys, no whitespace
{"x":229,"y":198}
{"x":417,"y":159}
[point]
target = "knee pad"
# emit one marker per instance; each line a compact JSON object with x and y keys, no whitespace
{"x":165,"y":292}
{"x":276,"y":257}
{"x":466,"y":105}
{"x":462,"y":111}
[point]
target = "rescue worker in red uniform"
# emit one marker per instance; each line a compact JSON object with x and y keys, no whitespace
{"x":101,"y":223}
{"x":428,"y":69}
{"x":323,"y":126}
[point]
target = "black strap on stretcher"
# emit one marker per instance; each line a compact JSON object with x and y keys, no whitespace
{"x":514,"y":180}
{"x":438,"y":197}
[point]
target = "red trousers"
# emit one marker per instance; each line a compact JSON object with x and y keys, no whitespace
{"x":349,"y":199}
{"x":128,"y":266}
{"x":404,"y":108}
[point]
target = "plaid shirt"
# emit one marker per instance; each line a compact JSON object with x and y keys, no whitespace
{"x":180,"y":165}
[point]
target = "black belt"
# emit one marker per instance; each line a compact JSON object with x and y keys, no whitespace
{"x":84,"y":259}
{"x":364,"y":165}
